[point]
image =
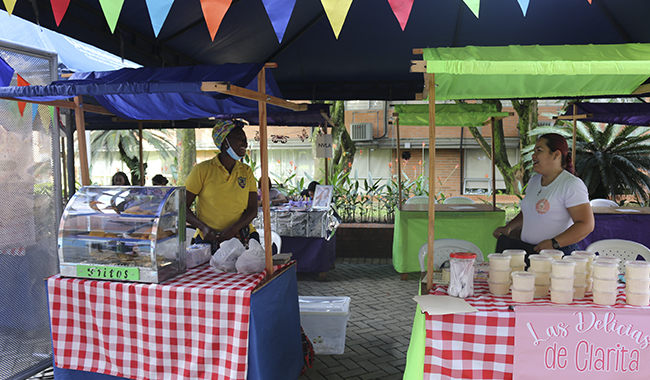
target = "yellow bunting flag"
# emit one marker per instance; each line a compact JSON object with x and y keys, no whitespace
{"x":111,"y":9}
{"x":213,"y":12}
{"x":336,"y":11}
{"x":59,"y":7}
{"x":9,"y":5}
{"x":473,"y":5}
{"x":21,"y":82}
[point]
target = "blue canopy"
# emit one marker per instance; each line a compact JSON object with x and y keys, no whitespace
{"x":6,"y":73}
{"x":614,"y":113}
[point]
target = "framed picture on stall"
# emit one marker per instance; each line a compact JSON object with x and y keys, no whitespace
{"x":323,"y":196}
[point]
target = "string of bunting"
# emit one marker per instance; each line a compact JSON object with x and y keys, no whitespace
{"x":279,"y":12}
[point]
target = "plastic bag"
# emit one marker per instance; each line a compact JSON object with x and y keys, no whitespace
{"x":252,"y":260}
{"x":225,"y":258}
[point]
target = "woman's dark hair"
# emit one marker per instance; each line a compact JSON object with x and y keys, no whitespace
{"x":312,"y":186}
{"x":556,"y":142}
{"x":159,"y":180}
{"x":123,"y":175}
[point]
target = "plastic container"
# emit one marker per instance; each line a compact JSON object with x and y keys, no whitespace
{"x":637,"y":299}
{"x":499,"y":275}
{"x":605,"y":269}
{"x":561,"y":296}
{"x":542,"y":290}
{"x":445,"y":275}
{"x":461,"y":273}
{"x":542,"y":278}
{"x":518,"y":268}
{"x":523,"y":280}
{"x":563,"y":268}
{"x":606,"y":285}
{"x":197,"y":254}
{"x":540,"y":263}
{"x":637,"y":269}
{"x":556,"y":254}
{"x":499,"y":288}
{"x":579,"y":291}
{"x":499,"y":261}
{"x":581,"y":263}
{"x":525,"y":295}
{"x":637,"y":285}
{"x":517,"y":257}
{"x":562,"y":283}
{"x":589,"y":255}
{"x":324,"y":320}
{"x":604,"y":298}
{"x":580,"y":280}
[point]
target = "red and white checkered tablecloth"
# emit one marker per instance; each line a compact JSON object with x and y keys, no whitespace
{"x":481,"y":345}
{"x":194,"y":326}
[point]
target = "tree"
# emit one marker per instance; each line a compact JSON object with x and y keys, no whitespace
{"x":186,"y":139}
{"x":343,"y":155}
{"x":126,"y":142}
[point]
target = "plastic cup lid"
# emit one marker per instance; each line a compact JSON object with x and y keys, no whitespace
{"x":499,"y":256}
{"x":462,"y":255}
{"x":576,"y":259}
{"x":538,"y":257}
{"x":637,"y":263}
{"x":514,"y":252}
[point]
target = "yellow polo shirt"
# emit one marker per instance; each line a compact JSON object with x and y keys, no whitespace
{"x":222,"y":196}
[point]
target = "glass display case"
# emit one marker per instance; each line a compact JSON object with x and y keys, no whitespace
{"x":124,"y":233}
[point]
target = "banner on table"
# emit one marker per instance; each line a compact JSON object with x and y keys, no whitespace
{"x":580,"y":343}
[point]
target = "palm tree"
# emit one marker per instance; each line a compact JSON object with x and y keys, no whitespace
{"x":612,"y":161}
{"x":105,"y":143}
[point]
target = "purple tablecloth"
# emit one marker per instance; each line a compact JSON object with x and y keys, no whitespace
{"x":632,"y":226}
{"x":311,"y":254}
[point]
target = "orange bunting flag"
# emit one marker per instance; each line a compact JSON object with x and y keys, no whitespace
{"x":9,"y":5}
{"x":336,"y":11}
{"x":213,"y":12}
{"x":59,"y":7}
{"x":473,"y":5}
{"x":111,"y":9}
{"x":21,"y":82}
{"x":402,"y":10}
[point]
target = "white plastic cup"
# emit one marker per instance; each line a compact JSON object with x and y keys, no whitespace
{"x":525,"y":295}
{"x":542,"y":278}
{"x":605,"y":269}
{"x":499,"y":275}
{"x":605,"y":285}
{"x":499,"y":288}
{"x":589,"y":255}
{"x":562,"y":283}
{"x":517,"y":268}
{"x":499,"y":261}
{"x":540,"y":263}
{"x":637,"y":285}
{"x":579,"y":291}
{"x":637,"y":299}
{"x":517,"y":257}
{"x":561,"y":296}
{"x":604,"y":298}
{"x":581,"y":263}
{"x":542,"y":290}
{"x":556,"y":254}
{"x":563,"y":268}
{"x":637,"y":269}
{"x":523,"y":280}
{"x":580,"y":280}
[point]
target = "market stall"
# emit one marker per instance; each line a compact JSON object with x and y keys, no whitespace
{"x":627,"y":223}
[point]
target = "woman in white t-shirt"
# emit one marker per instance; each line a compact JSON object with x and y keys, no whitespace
{"x":555,"y":213}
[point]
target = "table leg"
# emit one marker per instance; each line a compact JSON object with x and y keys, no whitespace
{"x":322,"y":276}
{"x":404,"y":276}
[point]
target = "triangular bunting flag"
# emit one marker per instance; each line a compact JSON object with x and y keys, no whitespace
{"x":279,"y":12}
{"x":589,"y":1}
{"x":473,"y":5}
{"x":111,"y":9}
{"x":34,"y":111}
{"x":21,"y":82}
{"x":158,"y":11}
{"x":9,"y":5}
{"x":52,"y":110}
{"x":336,"y":11}
{"x":46,"y":118}
{"x":402,"y":10}
{"x":523,"y":4}
{"x":6,"y":73}
{"x":59,"y":7}
{"x":213,"y":11}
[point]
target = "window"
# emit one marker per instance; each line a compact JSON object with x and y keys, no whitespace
{"x":478,"y":171}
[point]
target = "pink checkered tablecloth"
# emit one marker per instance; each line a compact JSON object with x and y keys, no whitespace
{"x":481,"y":345}
{"x":194,"y":326}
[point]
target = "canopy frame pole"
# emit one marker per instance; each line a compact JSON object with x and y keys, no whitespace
{"x":140,"y":147}
{"x":573,"y":143}
{"x":264,"y":157}
{"x":432,"y":176}
{"x":494,"y":178}
{"x":399,"y":162}
{"x":81,"y":141}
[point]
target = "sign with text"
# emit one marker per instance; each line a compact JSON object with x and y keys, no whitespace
{"x":324,"y":146}
{"x":101,"y":272}
{"x":581,"y":343}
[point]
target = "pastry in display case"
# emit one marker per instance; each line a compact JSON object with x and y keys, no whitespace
{"x":123,"y":233}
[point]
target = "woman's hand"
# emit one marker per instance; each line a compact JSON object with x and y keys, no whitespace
{"x":226,"y":234}
{"x":544,"y":244}
{"x":501,"y":231}
{"x":208,"y":233}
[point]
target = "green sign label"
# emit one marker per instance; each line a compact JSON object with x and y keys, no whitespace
{"x":108,"y":273}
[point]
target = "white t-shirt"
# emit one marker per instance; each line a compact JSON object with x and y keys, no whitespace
{"x":545,"y":207}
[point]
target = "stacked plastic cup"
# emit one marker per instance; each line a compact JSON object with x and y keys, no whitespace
{"x":562,"y":278}
{"x":499,"y":274}
{"x":581,"y":274}
{"x":556,"y":254}
{"x":605,"y":280}
{"x":637,"y":283}
{"x":517,"y":261}
{"x":523,"y":286}
{"x":590,"y":270}
{"x":541,"y":266}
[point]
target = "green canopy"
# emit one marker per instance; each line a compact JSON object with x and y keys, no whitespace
{"x":448,"y":115}
{"x":509,"y":72}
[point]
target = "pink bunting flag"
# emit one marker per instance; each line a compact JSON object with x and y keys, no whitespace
{"x":402,"y":10}
{"x":59,"y":7}
{"x":279,"y":12}
{"x":213,"y":12}
{"x":21,"y":82}
{"x":9,"y":5}
{"x":523,"y":4}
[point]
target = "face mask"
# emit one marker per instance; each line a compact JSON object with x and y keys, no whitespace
{"x":232,"y":153}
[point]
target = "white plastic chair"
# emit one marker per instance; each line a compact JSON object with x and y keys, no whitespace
{"x":458,"y":200}
{"x":443,"y":247}
{"x":275,"y":239}
{"x":623,"y":249}
{"x":419,"y":199}
{"x":600,"y":202}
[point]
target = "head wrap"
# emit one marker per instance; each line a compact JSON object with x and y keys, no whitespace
{"x":222,"y":129}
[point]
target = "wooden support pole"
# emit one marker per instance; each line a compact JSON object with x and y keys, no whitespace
{"x":140,"y":146}
{"x":494,"y":178}
{"x":81,"y":141}
{"x":432,"y":177}
{"x":573,"y":143}
{"x":264,"y":158}
{"x":399,"y":162}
